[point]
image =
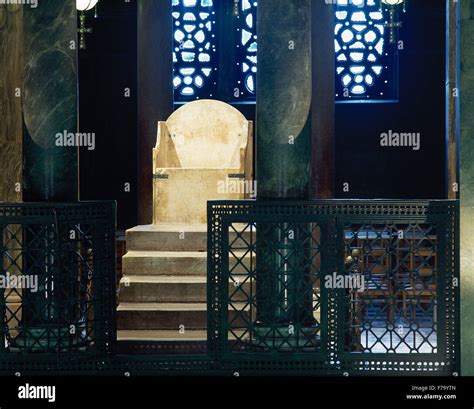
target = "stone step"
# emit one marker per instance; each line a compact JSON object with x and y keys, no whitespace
{"x":184,"y":289}
{"x":164,"y":263}
{"x":165,"y":289}
{"x":165,"y":316}
{"x":167,"y":237}
{"x":162,"y":335}
{"x":167,"y":335}
{"x":175,"y":237}
{"x":173,"y":263}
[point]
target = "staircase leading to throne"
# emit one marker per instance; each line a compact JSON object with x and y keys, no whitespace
{"x":162,"y":295}
{"x":163,"y":291}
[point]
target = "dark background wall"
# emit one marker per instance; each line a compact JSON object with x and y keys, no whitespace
{"x":109,"y":65}
{"x":373,"y":171}
{"x":106,"y":68}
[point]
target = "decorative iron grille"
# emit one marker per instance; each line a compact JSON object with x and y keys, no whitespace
{"x":346,"y":287}
{"x":57,"y":285}
{"x":275,"y":304}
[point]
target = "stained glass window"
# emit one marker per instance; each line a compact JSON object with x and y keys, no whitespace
{"x":194,"y":48}
{"x":366,"y":63}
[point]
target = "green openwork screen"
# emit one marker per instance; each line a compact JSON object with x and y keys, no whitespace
{"x":334,"y":286}
{"x":324,"y":287}
{"x":57,"y":276}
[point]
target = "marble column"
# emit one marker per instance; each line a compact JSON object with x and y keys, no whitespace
{"x":50,"y":164}
{"x":50,"y":101}
{"x":283,"y":171}
{"x":284,"y":89}
{"x":467,"y":187}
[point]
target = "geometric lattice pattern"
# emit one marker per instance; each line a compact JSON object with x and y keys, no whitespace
{"x":247,"y":48}
{"x":274,"y":291}
{"x":395,"y":310}
{"x":205,"y":34}
{"x":57,"y":279}
{"x":194,"y":53}
{"x":366,"y":63}
{"x":334,"y":286}
{"x":404,"y":320}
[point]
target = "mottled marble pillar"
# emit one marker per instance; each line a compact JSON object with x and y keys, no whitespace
{"x":284,"y":88}
{"x":50,"y":169}
{"x":283,"y":171}
{"x":50,"y":101}
{"x":467,"y":187}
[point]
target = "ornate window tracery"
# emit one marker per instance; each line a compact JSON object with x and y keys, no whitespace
{"x":365,"y":63}
{"x":194,"y":51}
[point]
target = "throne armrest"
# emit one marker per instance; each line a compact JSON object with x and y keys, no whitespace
{"x":164,"y":153}
{"x":246,"y":154}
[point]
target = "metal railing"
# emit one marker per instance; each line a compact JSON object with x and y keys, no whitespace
{"x":57,"y":285}
{"x":334,"y":287}
{"x":325,"y":287}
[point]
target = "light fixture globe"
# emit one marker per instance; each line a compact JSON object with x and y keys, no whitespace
{"x":85,"y":5}
{"x":392,"y":2}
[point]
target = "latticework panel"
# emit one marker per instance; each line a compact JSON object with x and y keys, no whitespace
{"x":345,"y":286}
{"x":288,"y":258}
{"x":57,"y":282}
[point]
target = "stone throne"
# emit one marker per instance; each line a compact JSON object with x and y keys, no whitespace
{"x":204,"y":151}
{"x":199,"y":148}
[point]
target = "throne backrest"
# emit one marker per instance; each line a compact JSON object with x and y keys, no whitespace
{"x":204,"y":134}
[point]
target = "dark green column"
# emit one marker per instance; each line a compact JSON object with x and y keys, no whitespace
{"x":49,"y":101}
{"x":50,"y":170}
{"x":283,"y":169}
{"x":284,"y":90}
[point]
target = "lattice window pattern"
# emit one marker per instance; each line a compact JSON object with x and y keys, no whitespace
{"x":194,"y":54}
{"x":365,"y":61}
{"x":247,"y":46}
{"x":366,"y":64}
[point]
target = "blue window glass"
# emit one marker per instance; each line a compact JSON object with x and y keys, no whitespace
{"x":246,"y":49}
{"x":194,"y":53}
{"x":215,"y":50}
{"x":366,"y":64}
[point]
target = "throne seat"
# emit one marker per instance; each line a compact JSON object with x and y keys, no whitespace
{"x":204,"y":148}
